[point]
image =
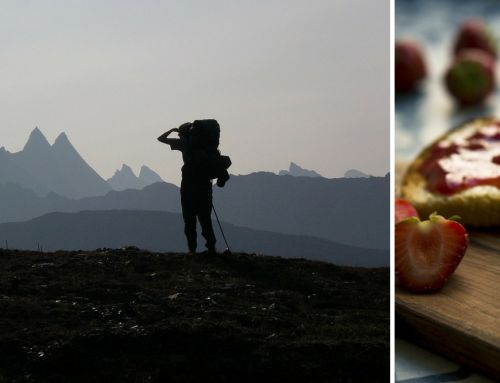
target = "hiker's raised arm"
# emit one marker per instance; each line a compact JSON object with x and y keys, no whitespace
{"x":164,"y":137}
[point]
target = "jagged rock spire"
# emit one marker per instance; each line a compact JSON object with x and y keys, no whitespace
{"x":36,"y":141}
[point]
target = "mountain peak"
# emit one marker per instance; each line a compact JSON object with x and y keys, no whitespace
{"x":63,"y":145}
{"x":125,"y":178}
{"x":36,"y":141}
{"x":353,"y":173}
{"x":297,"y":171}
{"x":294,"y":167}
{"x":126,"y":169}
{"x":147,"y":176}
{"x":62,"y":139}
{"x":145,"y":171}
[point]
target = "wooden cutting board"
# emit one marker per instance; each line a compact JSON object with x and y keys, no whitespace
{"x":462,"y":321}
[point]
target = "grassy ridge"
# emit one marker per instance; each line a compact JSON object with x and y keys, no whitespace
{"x":134,"y":316}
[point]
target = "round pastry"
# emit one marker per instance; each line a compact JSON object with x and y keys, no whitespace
{"x":459,"y":174}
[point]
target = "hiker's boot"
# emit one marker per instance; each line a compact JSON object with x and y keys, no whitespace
{"x":192,"y":249}
{"x":211,"y":250}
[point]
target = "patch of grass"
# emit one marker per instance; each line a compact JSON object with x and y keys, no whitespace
{"x":135,"y":316}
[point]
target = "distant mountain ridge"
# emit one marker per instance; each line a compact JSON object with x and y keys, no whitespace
{"x":19,"y":204}
{"x":349,"y":211}
{"x":163,"y":231}
{"x":125,"y":178}
{"x":353,"y":173}
{"x":297,"y":171}
{"x":45,"y":168}
{"x":44,"y":178}
{"x":59,"y":168}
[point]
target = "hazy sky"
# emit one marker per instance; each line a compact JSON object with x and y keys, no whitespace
{"x":288,"y":80}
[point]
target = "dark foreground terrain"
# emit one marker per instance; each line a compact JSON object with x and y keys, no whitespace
{"x":134,"y":316}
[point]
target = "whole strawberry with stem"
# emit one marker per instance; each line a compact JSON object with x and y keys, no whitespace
{"x":409,"y":66}
{"x":428,"y":252}
{"x":471,"y":77}
{"x":475,"y":34}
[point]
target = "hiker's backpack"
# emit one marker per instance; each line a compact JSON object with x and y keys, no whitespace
{"x":204,"y":137}
{"x":205,"y":134}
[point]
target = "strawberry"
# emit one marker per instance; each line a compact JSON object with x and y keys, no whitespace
{"x":428,"y":252}
{"x":409,"y":65}
{"x":474,"y":33}
{"x":471,"y":77}
{"x":404,"y":210}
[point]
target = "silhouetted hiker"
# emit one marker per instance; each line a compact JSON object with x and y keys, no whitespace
{"x":199,"y":141}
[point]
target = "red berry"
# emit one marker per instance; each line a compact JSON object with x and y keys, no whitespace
{"x":404,"y":210}
{"x":409,"y":65}
{"x":474,"y":34}
{"x":428,"y":252}
{"x":471,"y":77}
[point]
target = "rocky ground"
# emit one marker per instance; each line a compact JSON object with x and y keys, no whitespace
{"x":134,"y":316}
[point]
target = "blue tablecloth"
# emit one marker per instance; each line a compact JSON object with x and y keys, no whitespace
{"x":425,"y":114}
{"x":416,"y":365}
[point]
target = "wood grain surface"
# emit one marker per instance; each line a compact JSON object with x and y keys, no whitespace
{"x":462,"y":321}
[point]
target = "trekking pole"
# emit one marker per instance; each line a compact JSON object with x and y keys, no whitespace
{"x":222,"y":231}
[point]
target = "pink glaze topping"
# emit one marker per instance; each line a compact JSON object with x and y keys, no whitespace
{"x":454,"y":165}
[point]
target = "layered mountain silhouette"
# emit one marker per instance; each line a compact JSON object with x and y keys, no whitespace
{"x":159,"y":231}
{"x":296,"y":171}
{"x":349,"y":211}
{"x":45,"y":168}
{"x":125,"y":178}
{"x":353,"y":173}
{"x":20,"y":204}
{"x":45,"y":178}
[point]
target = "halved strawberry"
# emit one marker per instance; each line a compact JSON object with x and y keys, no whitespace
{"x":404,"y":210}
{"x":428,"y":252}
